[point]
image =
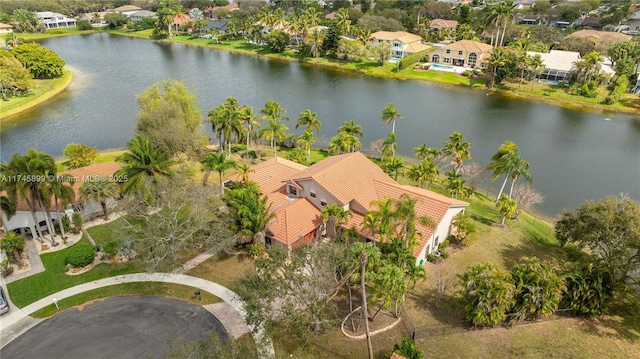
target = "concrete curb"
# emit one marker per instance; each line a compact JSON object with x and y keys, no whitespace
{"x":264,"y":343}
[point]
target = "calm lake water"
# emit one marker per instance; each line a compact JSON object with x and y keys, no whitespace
{"x":574,"y":155}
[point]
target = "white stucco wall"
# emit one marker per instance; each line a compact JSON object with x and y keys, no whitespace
{"x":441,"y":233}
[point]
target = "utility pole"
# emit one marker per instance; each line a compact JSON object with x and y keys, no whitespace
{"x":363,"y":263}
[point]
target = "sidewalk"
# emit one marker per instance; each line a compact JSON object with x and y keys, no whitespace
{"x":18,"y":320}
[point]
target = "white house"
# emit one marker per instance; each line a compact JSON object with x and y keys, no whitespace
{"x":52,"y":20}
{"x":557,"y":64}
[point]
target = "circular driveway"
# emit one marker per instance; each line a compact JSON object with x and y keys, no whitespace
{"x":117,"y":327}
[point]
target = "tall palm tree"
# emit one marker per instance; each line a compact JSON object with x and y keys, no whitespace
{"x":421,"y":152}
{"x":521,"y":168}
{"x":250,"y":119}
{"x":364,"y":36}
{"x":503,"y":162}
{"x":273,"y":110}
{"x":31,"y":172}
{"x":389,"y":115}
{"x":497,"y":59}
{"x":168,"y":10}
{"x":351,"y":128}
{"x":219,"y":163}
{"x":457,"y":149}
{"x":307,"y":140}
{"x":337,"y":215}
{"x":62,"y":193}
{"x":274,"y":132}
{"x":315,"y":39}
{"x":100,"y":190}
{"x":455,"y":185}
{"x":226,"y":122}
{"x":343,"y":21}
{"x":535,"y":66}
{"x":310,"y":120}
{"x":143,"y":164}
{"x":245,"y":169}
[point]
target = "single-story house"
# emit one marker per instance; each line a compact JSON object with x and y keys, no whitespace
{"x":211,"y":12}
{"x":220,"y":25}
{"x":591,"y":22}
{"x":439,"y":24}
{"x":52,"y":20}
{"x":558,"y":64}
{"x":127,"y":10}
{"x":141,"y":15}
{"x":402,"y":43}
{"x":597,"y":37}
{"x":22,"y":220}
{"x":631,"y":27}
{"x":464,"y":53}
{"x":527,"y":19}
{"x":5,"y":28}
{"x":298,"y":193}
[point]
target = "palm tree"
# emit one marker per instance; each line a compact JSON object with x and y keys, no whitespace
{"x":226,"y":122}
{"x":351,"y":128}
{"x":306,"y":140}
{"x":503,"y":163}
{"x":343,"y":21}
{"x":457,"y":149}
{"x":390,"y":145}
{"x":249,"y":118}
{"x":273,"y":110}
{"x":95,"y":18}
{"x":364,"y":36}
{"x":168,"y":10}
{"x":521,"y":168}
{"x":310,"y":120}
{"x":143,"y":164}
{"x":315,"y":39}
{"x":535,"y":66}
{"x":100,"y":190}
{"x":344,"y":143}
{"x":218,"y":163}
{"x":363,"y":269}
{"x":498,"y":59}
{"x":274,"y":132}
{"x":244,"y":171}
{"x":421,"y":152}
{"x":507,"y":208}
{"x":424,"y":172}
{"x":61,"y":193}
{"x":389,"y":115}
{"x":35,"y":168}
{"x":337,"y":215}
{"x":455,"y":185}
{"x":393,"y":167}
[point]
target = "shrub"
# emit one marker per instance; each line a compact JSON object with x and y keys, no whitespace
{"x":42,"y":63}
{"x":256,"y":250}
{"x":277,"y":41}
{"x":589,"y":289}
{"x":80,"y":255}
{"x":487,"y":294}
{"x":84,"y":25}
{"x":56,"y":31}
{"x":538,"y":290}
{"x":80,"y":155}
{"x":411,"y":59}
{"x":408,"y":349}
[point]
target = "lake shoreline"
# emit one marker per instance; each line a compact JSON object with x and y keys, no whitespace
{"x":39,"y":99}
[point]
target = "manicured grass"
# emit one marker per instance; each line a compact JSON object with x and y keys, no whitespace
{"x":41,"y":91}
{"x":105,"y":232}
{"x":444,"y":77}
{"x":177,"y":291}
{"x":64,"y":32}
{"x":53,"y":279}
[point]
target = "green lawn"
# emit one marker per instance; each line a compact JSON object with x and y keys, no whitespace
{"x":53,"y":279}
{"x":42,"y":90}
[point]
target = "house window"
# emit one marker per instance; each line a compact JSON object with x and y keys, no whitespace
{"x":460,"y":52}
{"x":396,"y":44}
{"x":437,"y":241}
{"x":293,"y":191}
{"x":472,"y":59}
{"x":447,"y":60}
{"x":435,"y":59}
{"x":312,"y":194}
{"x":323,"y":202}
{"x":448,"y":51}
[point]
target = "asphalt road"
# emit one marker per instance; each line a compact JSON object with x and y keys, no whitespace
{"x":118,"y":327}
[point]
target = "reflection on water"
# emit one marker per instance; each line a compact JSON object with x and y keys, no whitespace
{"x":573,"y":155}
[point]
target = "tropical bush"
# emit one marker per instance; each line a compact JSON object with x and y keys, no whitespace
{"x":589,"y":289}
{"x":80,"y":155}
{"x":256,"y":250}
{"x":408,"y":349}
{"x":538,"y":290}
{"x":487,"y":293}
{"x":278,"y":41}
{"x":80,"y":255}
{"x":84,"y":25}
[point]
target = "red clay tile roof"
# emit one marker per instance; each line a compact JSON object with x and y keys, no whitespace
{"x":443,"y":24}
{"x":294,"y":219}
{"x":270,"y":175}
{"x":347,"y":177}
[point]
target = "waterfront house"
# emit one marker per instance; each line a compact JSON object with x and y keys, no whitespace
{"x":127,"y":10}
{"x":53,"y":20}
{"x":298,"y":193}
{"x":558,"y":64}
{"x":463,"y":53}
{"x":402,"y":43}
{"x":141,"y":15}
{"x":22,"y":221}
{"x":601,"y":37}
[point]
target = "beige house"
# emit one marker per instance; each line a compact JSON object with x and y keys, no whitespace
{"x":463,"y":53}
{"x":439,"y":24}
{"x":5,"y":28}
{"x":601,"y":37}
{"x":298,"y":193}
{"x":402,"y":43}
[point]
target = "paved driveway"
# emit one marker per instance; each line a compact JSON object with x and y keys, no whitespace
{"x":117,"y":327}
